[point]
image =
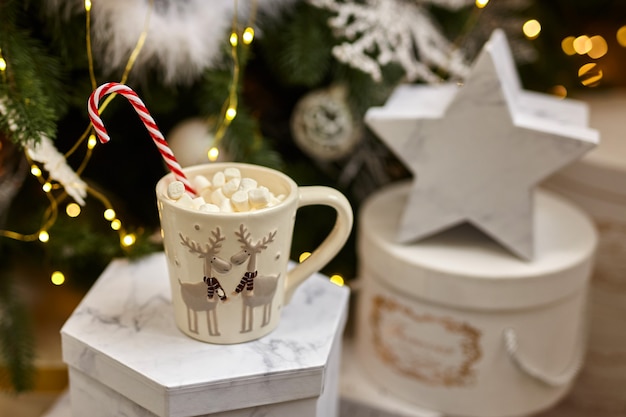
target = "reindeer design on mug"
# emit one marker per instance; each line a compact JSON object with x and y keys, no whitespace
{"x":193,"y":293}
{"x":256,"y":290}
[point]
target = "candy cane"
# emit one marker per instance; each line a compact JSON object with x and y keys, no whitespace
{"x":148,"y":121}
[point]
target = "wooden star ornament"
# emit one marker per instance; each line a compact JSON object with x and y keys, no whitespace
{"x":478,"y":150}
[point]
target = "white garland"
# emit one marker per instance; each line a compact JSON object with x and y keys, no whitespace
{"x":381,"y":32}
{"x":184,"y":38}
{"x":55,"y":163}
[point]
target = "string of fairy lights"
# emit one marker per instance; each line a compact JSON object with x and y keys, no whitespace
{"x":127,"y":239}
{"x":590,"y":75}
{"x":594,"y":47}
{"x":229,"y":108}
{"x":48,"y":186}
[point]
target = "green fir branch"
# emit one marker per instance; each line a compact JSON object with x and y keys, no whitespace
{"x":298,"y":45}
{"x":243,"y":141}
{"x":31,"y":97}
{"x":17,"y":345}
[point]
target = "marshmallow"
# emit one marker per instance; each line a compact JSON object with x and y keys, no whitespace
{"x":218,"y":197}
{"x":175,"y":190}
{"x":239,"y":201}
{"x":186,"y":201}
{"x":200,"y":182}
{"x":226,"y":192}
{"x":247,"y":184}
{"x":259,"y":197}
{"x":230,"y":187}
{"x":226,"y":206}
{"x":231,"y":173}
{"x":197,"y":202}
{"x":273,"y":201}
{"x":209,"y":208}
{"x":219,"y":179}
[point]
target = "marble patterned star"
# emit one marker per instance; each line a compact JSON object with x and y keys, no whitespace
{"x":477,"y":151}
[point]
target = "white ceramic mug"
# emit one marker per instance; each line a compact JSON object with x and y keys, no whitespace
{"x":228,"y":270}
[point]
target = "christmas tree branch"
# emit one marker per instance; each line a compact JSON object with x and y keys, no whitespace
{"x":30,"y":93}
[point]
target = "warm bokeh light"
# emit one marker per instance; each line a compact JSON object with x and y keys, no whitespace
{"x":213,"y":154}
{"x":92,"y":141}
{"x":621,"y":36}
{"x":337,"y":280}
{"x":44,"y":236}
{"x":231,"y":113}
{"x":47,"y":187}
{"x":582,"y":44}
{"x":234,"y":39}
{"x":531,"y":29}
{"x":567,"y":44}
{"x":129,"y":240}
{"x":57,"y":278}
{"x":481,"y":3}
{"x":109,"y":214}
{"x":116,"y":224}
{"x":559,"y":91}
{"x":3,"y":64}
{"x":88,"y":5}
{"x":303,"y":256}
{"x":248,"y":36}
{"x":599,"y":47}
{"x":590,"y":74}
{"x":72,"y":210}
{"x":35,"y":171}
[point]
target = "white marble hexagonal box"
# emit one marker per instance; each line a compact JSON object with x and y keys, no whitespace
{"x":127,"y":357}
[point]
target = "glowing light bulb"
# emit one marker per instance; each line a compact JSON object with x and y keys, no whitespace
{"x":234,"y":39}
{"x":481,"y":3}
{"x":590,"y":74}
{"x":337,"y":280}
{"x":582,"y":44}
{"x":129,"y":239}
{"x":621,"y":36}
{"x":116,"y":224}
{"x":35,"y":171}
{"x":46,"y":187}
{"x":231,"y":113}
{"x":213,"y":154}
{"x":3,"y":64}
{"x":88,"y":5}
{"x":559,"y":91}
{"x":44,"y":236}
{"x":599,"y":47}
{"x":92,"y":141}
{"x":109,"y":214}
{"x":248,"y":35}
{"x":567,"y":44}
{"x":531,"y":29}
{"x":57,"y":278}
{"x":303,"y":256}
{"x":72,"y":210}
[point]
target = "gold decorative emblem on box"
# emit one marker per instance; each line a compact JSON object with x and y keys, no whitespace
{"x":438,"y":351}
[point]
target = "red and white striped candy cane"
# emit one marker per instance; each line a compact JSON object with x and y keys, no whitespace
{"x":148,"y":121}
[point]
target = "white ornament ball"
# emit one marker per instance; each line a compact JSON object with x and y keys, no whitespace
{"x":324,"y":126}
{"x":191,"y":140}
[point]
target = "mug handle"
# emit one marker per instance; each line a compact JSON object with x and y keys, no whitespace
{"x":325,"y":196}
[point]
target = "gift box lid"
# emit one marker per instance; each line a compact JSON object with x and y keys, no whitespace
{"x":598,"y":180}
{"x":606,"y":114}
{"x":465,"y":268}
{"x":123,"y":335}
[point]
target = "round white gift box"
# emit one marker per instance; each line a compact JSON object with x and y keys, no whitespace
{"x":456,"y":324}
{"x":597,"y":184}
